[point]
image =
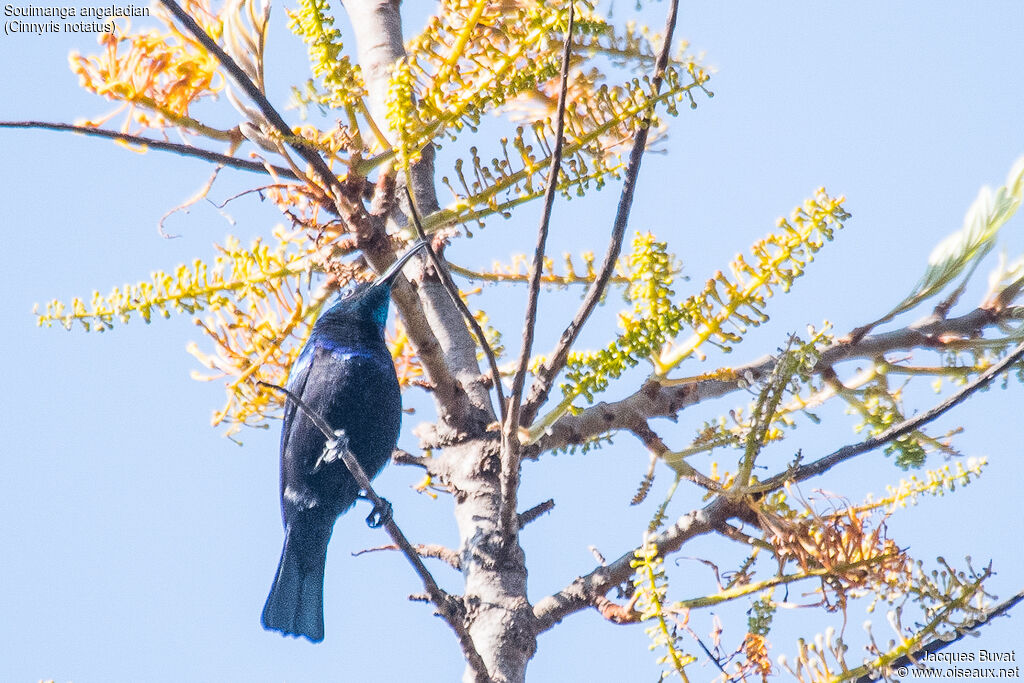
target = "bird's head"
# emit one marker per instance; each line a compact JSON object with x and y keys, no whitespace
{"x":370,"y":300}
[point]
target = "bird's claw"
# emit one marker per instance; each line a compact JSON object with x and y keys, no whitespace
{"x":380,"y":515}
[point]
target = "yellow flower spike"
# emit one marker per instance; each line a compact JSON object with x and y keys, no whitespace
{"x":596,"y":124}
{"x":739,"y":302}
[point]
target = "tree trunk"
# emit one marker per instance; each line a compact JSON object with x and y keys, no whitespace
{"x":498,"y":617}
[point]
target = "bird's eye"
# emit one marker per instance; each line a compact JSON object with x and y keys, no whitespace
{"x":355,"y":291}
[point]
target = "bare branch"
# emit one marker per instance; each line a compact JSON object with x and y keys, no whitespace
{"x":433,"y":550}
{"x":707,"y":651}
{"x":512,"y":451}
{"x":449,"y":395}
{"x":641,"y":429}
{"x":441,"y":340}
{"x":162,"y":145}
{"x":585,"y":590}
{"x":369,"y":232}
{"x":453,"y":292}
{"x":731,"y":532}
{"x":907,"y":426}
{"x":557,"y":358}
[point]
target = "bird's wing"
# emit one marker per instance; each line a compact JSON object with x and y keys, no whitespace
{"x":296,"y":385}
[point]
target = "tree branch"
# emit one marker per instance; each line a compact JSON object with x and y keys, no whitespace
{"x":354,"y":213}
{"x":655,"y":399}
{"x":174,"y":147}
{"x":400,"y":457}
{"x":556,"y":359}
{"x":449,"y":395}
{"x":311,"y":156}
{"x":619,"y":614}
{"x":582,"y":592}
{"x":453,"y":293}
{"x":369,"y":232}
{"x":585,"y":590}
{"x":512,"y":450}
{"x":907,"y":426}
{"x":438,"y":552}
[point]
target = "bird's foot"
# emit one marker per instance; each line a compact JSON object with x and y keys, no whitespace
{"x":380,"y":515}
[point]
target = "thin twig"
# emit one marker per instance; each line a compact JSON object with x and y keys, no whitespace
{"x":243,"y":81}
{"x":641,"y":429}
{"x":450,"y":608}
{"x":712,"y":657}
{"x":174,"y":147}
{"x":438,"y":552}
{"x":453,"y":293}
{"x":359,"y":474}
{"x":557,"y":358}
{"x":813,"y":469}
{"x":537,"y":267}
{"x":512,"y":450}
{"x":517,"y":278}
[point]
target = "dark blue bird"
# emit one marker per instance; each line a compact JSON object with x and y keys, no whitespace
{"x":345,"y":374}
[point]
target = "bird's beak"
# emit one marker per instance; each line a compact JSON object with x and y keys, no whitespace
{"x":388,"y":275}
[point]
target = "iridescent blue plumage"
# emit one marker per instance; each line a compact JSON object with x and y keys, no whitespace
{"x":344,"y":373}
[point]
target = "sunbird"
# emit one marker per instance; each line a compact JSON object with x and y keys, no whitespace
{"x":345,"y":374}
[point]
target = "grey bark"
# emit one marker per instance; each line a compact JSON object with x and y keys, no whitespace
{"x":499,"y":618}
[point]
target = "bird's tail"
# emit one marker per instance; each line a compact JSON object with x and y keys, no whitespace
{"x":295,"y":605}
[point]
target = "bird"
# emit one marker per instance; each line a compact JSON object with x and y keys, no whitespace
{"x":345,"y":374}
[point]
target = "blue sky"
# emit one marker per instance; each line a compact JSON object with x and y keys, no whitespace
{"x":139,"y":544}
